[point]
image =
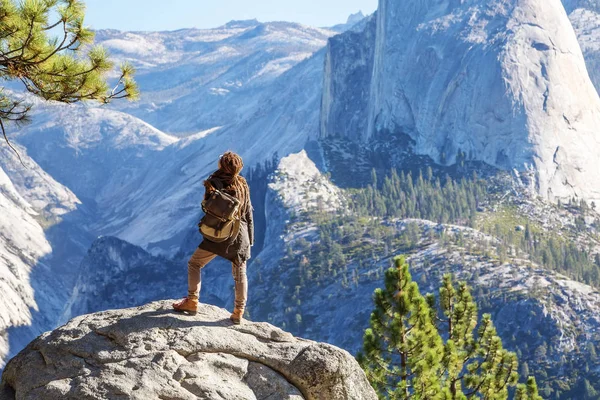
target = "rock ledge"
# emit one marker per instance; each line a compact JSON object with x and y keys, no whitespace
{"x":150,"y":352}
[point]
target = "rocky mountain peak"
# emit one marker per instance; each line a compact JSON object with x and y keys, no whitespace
{"x":245,"y":23}
{"x":152,"y":352}
{"x":355,"y":18}
{"x":351,"y":23}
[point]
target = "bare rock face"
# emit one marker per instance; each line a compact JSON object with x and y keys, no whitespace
{"x":347,"y":81}
{"x":150,"y":352}
{"x":501,"y":81}
{"x":22,"y":243}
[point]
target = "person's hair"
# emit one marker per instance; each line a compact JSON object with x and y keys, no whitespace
{"x":230,"y":166}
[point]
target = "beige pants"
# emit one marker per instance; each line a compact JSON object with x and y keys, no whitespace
{"x":202,"y":257}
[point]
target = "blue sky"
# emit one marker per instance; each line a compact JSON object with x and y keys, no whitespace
{"x":175,"y":14}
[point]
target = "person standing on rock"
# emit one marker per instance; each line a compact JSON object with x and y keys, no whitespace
{"x":226,"y":179}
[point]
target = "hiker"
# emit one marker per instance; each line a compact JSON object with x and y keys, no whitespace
{"x":230,"y":190}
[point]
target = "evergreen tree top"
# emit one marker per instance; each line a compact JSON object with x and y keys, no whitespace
{"x":404,"y":354}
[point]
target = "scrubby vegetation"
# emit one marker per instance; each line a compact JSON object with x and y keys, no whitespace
{"x":369,"y":230}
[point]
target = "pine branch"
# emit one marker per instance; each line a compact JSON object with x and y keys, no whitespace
{"x":58,"y":48}
{"x":9,"y":144}
{"x":483,"y":380}
{"x":27,"y":40}
{"x":508,"y":376}
{"x":47,"y":28}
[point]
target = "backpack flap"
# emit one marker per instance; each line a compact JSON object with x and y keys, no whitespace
{"x":221,"y":205}
{"x":217,"y":230}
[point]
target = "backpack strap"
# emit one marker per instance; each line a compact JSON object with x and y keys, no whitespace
{"x":216,"y":184}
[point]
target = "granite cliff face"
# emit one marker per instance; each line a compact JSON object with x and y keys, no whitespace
{"x":17,"y":228}
{"x":502,"y":82}
{"x":152,"y":352}
{"x":31,"y":204}
{"x":346,"y":90}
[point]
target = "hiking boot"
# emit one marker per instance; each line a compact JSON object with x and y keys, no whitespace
{"x":189,"y":306}
{"x":236,"y":317}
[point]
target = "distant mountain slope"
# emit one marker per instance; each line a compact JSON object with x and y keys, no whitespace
{"x":145,"y":185}
{"x":572,"y":5}
{"x":587,"y":27}
{"x":353,"y":19}
{"x":285,"y":118}
{"x":193,"y":80}
{"x":90,"y":149}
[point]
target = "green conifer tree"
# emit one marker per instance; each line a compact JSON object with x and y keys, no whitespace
{"x":476,"y":364}
{"x":55,"y":67}
{"x":402,"y":350}
{"x":404,"y":356}
{"x":529,"y":391}
{"x":589,"y":392}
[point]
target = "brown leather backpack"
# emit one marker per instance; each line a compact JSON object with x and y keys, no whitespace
{"x":221,"y":220}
